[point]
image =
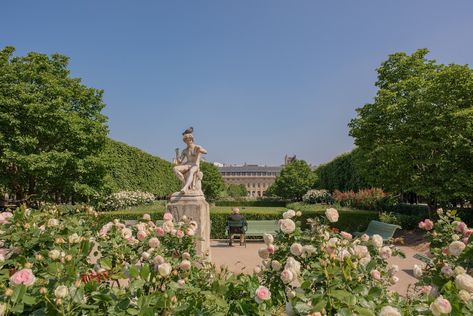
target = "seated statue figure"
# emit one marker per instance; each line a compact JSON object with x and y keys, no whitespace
{"x":187,"y":164}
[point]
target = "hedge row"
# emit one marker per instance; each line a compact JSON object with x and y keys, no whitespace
{"x":236,"y":203}
{"x":349,"y":220}
{"x":132,"y":169}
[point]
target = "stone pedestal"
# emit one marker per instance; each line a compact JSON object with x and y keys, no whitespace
{"x":196,"y":208}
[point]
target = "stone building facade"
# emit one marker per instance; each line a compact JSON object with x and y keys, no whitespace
{"x":256,"y":179}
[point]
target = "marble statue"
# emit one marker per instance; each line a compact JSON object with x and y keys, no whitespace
{"x":190,"y":200}
{"x":187,"y":164}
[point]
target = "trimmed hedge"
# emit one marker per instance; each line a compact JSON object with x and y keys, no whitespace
{"x":349,"y":220}
{"x":269,"y":203}
{"x":132,"y":169}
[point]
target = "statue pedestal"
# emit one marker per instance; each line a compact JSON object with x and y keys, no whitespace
{"x":196,"y":208}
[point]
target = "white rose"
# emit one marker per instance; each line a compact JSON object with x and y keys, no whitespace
{"x":464,"y":282}
{"x":54,"y":254}
{"x":158,"y":260}
{"x":287,"y":225}
{"x":455,"y":237}
{"x":268,"y":239}
{"x":394,"y":279}
{"x":417,"y":271}
{"x":168,"y":226}
{"x":332,"y":215}
{"x":342,"y":254}
{"x":296,"y":249}
{"x":365,"y":237}
{"x":293,"y":265}
{"x":385,"y":252}
{"x":74,"y":239}
{"x":361,"y":251}
{"x":464,"y":296}
{"x":61,"y":291}
{"x":127,"y":233}
{"x":289,"y":214}
{"x":146,"y":217}
{"x":145,"y":255}
{"x":263,"y":253}
{"x":276,"y":265}
{"x":377,"y":240}
{"x":53,"y":222}
{"x":389,"y":311}
{"x":332,"y":242}
{"x":153,"y":242}
{"x":440,"y":306}
{"x":364,"y":261}
{"x":456,"y":248}
{"x":185,"y":265}
{"x":164,"y":269}
{"x":459,"y":270}
{"x":287,"y":276}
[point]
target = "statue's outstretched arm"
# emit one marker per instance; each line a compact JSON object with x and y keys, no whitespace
{"x":202,"y":150}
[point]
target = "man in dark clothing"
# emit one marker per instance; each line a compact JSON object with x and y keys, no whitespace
{"x":236,"y":224}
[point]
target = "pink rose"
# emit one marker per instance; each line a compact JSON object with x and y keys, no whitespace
{"x":467,"y":232}
{"x":24,"y":276}
{"x":167,"y":217}
{"x":346,"y":235}
{"x":262,"y":294}
{"x":461,"y":227}
{"x":185,"y":265}
{"x":271,"y":248}
{"x":465,"y":240}
{"x":141,"y":235}
{"x":179,"y":233}
{"x":426,"y":289}
{"x":376,"y":275}
{"x":153,"y":242}
{"x":365,"y":237}
{"x":160,"y":231}
{"x":427,"y":224}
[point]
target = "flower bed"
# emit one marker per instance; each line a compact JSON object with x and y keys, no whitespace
{"x":53,"y":263}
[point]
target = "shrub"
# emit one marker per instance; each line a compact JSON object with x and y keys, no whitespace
{"x":317,"y":196}
{"x":449,"y":273}
{"x":125,"y":199}
{"x":257,"y":203}
{"x":326,"y":272}
{"x":367,"y":199}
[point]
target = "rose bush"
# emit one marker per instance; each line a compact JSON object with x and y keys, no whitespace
{"x":445,"y":283}
{"x":324,"y":272}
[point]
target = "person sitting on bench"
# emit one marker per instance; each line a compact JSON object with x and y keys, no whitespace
{"x":236,"y":224}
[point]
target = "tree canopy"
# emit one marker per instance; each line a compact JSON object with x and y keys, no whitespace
{"x":293,"y":182}
{"x":212,"y":182}
{"x":51,"y":129}
{"x":417,"y":135}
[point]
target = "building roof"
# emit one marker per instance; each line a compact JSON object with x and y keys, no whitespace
{"x":249,"y":168}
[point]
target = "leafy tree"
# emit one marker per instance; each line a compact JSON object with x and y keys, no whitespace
{"x":212,"y":183}
{"x":236,"y":190}
{"x":51,"y":129}
{"x":417,"y":135}
{"x":293,"y":181}
{"x":342,"y":173}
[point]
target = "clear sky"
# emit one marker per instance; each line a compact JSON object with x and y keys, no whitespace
{"x":256,"y":79}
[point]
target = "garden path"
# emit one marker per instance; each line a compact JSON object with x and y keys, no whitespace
{"x":239,"y":259}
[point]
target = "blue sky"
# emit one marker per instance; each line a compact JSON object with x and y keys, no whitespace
{"x":256,"y":79}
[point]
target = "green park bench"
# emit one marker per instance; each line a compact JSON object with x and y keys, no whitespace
{"x":254,"y":228}
{"x":424,"y":259}
{"x":385,"y":230}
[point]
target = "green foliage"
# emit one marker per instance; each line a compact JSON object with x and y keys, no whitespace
{"x":51,"y":129}
{"x":236,"y":190}
{"x":212,"y":183}
{"x":417,"y":135}
{"x":342,"y":173}
{"x":259,"y":203}
{"x":132,"y":169}
{"x":317,"y":196}
{"x":293,"y":182}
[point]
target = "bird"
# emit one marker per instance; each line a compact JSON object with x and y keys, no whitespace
{"x":188,"y":131}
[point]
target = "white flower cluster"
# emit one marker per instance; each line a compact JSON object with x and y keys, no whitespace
{"x":126,"y":199}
